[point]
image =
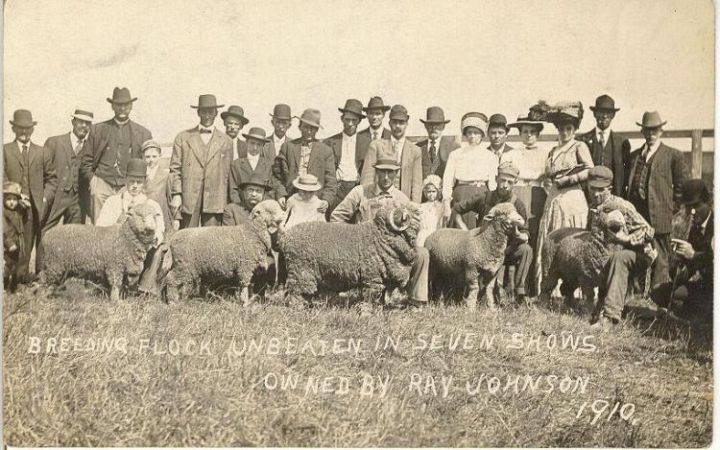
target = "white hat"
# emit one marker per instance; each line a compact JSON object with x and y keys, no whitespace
{"x":82,"y":114}
{"x":474,"y":119}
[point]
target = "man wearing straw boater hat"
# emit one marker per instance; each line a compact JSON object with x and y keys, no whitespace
{"x":253,"y":165}
{"x":66,"y":152}
{"x":108,"y":148}
{"x":32,"y":168}
{"x":234,"y":120}
{"x":199,"y":169}
{"x":306,"y":155}
{"x":375,"y":112}
{"x":608,"y":148}
{"x":347,"y":150}
{"x":281,"y":121}
{"x":436,"y":148}
{"x":406,"y":153}
{"x":657,"y":174}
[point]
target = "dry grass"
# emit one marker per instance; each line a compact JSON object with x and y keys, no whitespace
{"x":73,"y":397}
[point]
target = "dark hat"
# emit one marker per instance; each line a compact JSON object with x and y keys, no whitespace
{"x":398,"y":112}
{"x":434,"y":114}
{"x":566,"y":111}
{"x":651,"y":119}
{"x":12,"y":188}
{"x":604,"y":103}
{"x":537,"y":115}
{"x":82,"y":114}
{"x":498,"y":119}
{"x":509,"y":169}
{"x":376,"y":103}
{"x":256,"y":133}
{"x":600,"y":177}
{"x":136,"y":167}
{"x":150,"y":144}
{"x":282,"y":112}
{"x":256,"y":179}
{"x":353,"y":106}
{"x":694,"y":191}
{"x":22,"y":118}
{"x":206,"y":101}
{"x":311,"y":117}
{"x":235,"y":111}
{"x":121,"y":95}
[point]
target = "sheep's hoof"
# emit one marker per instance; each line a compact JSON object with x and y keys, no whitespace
{"x":471,"y":303}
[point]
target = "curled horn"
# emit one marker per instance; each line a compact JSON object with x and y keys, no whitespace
{"x":391,"y":221}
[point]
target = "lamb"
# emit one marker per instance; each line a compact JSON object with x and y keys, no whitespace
{"x":373,"y":256}
{"x":199,"y":257}
{"x":472,"y":258}
{"x":112,"y":255}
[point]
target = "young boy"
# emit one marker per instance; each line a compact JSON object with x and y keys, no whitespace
{"x":14,"y":216}
{"x":303,"y":205}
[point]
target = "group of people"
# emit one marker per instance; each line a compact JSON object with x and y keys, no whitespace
{"x":97,"y":171}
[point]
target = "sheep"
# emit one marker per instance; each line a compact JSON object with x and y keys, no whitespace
{"x":199,"y":257}
{"x":375,"y":256}
{"x":472,"y":258}
{"x":114,"y":254}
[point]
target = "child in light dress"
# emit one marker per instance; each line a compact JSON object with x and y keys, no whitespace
{"x":431,"y":210}
{"x":303,"y":206}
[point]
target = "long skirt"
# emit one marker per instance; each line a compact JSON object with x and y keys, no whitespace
{"x":463,"y":192}
{"x":564,"y":208}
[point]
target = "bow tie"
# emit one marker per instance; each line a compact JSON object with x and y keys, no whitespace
{"x":204,"y":130}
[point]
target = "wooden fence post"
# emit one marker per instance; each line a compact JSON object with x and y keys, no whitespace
{"x":697,"y":156}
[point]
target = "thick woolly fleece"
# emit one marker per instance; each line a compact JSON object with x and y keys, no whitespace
{"x":338,"y":256}
{"x":217,"y":255}
{"x":112,"y":255}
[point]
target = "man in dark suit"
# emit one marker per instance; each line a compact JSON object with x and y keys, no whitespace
{"x":436,"y":148}
{"x":375,"y":111}
{"x":234,"y":120}
{"x":65,"y":150}
{"x":108,"y":148}
{"x":199,"y":169}
{"x":33,"y":169}
{"x":253,"y":190}
{"x":497,"y":133}
{"x":346,"y":150}
{"x":306,"y":155}
{"x":255,"y":164}
{"x":656,"y":178}
{"x":281,"y":121}
{"x":608,"y":148}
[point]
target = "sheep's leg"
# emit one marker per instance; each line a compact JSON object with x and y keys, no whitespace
{"x":245,"y":295}
{"x":489,"y":290}
{"x":473,"y":288}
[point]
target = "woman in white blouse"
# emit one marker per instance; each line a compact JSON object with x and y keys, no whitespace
{"x":471,"y":169}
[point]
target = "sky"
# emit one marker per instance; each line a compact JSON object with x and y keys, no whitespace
{"x":464,"y":55}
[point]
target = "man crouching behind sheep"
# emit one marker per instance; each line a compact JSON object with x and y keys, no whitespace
{"x":202,"y":256}
{"x":377,"y":254}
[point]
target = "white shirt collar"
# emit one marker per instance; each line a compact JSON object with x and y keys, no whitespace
{"x":277,"y":141}
{"x":350,"y":138}
{"x":121,"y":123}
{"x":652,"y":150}
{"x":211,"y":128}
{"x":379,"y":131}
{"x":606,"y":133}
{"x":703,"y":227}
{"x":74,"y":140}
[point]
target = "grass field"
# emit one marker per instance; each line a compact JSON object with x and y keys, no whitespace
{"x":142,"y":373}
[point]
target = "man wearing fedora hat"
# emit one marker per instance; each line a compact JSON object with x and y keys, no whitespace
{"x":608,"y":148}
{"x":199,"y":168}
{"x":406,"y":153}
{"x":108,"y":147}
{"x":33,"y":169}
{"x":347,"y":150}
{"x":375,"y":112}
{"x":281,"y":121}
{"x":657,"y":173}
{"x":66,"y":150}
{"x":497,"y":133}
{"x":362,"y":204}
{"x":253,"y":189}
{"x":306,"y":155}
{"x":234,"y":120}
{"x":254,"y":164}
{"x":436,"y":148}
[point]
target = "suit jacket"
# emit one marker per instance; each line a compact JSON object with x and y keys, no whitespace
{"x":335,"y":143}
{"x":241,"y":171}
{"x":270,"y":146}
{"x":321,"y":164}
{"x":98,"y":141}
{"x":447,"y":144}
{"x":235,"y":214}
{"x":197,"y":169}
{"x":615,"y":156}
{"x":410,"y":167}
{"x":67,"y":170}
{"x":363,"y":143}
{"x":43,"y":179}
{"x":668,"y":172}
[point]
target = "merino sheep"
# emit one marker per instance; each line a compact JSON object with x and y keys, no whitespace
{"x":113,"y":254}
{"x":374,"y":256}
{"x":472,"y":258}
{"x":202,"y":256}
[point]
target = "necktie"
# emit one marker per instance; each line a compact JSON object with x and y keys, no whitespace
{"x":433,"y":149}
{"x":78,"y":147}
{"x":644,"y":173}
{"x":204,"y":130}
{"x":374,"y":135}
{"x":24,"y":149}
{"x":602,"y":138}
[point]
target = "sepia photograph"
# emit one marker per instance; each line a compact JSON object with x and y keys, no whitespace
{"x":358,"y":223}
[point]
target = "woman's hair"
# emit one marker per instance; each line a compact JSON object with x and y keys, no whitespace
{"x":470,"y":126}
{"x":560,"y":121}
{"x":537,"y":128}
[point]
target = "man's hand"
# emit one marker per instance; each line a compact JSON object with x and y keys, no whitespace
{"x":621,"y":237}
{"x":523,"y":236}
{"x":13,"y":248}
{"x":684,"y":249}
{"x":282,"y":201}
{"x":446,"y":210}
{"x":323,"y":206}
{"x":176,"y":201}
